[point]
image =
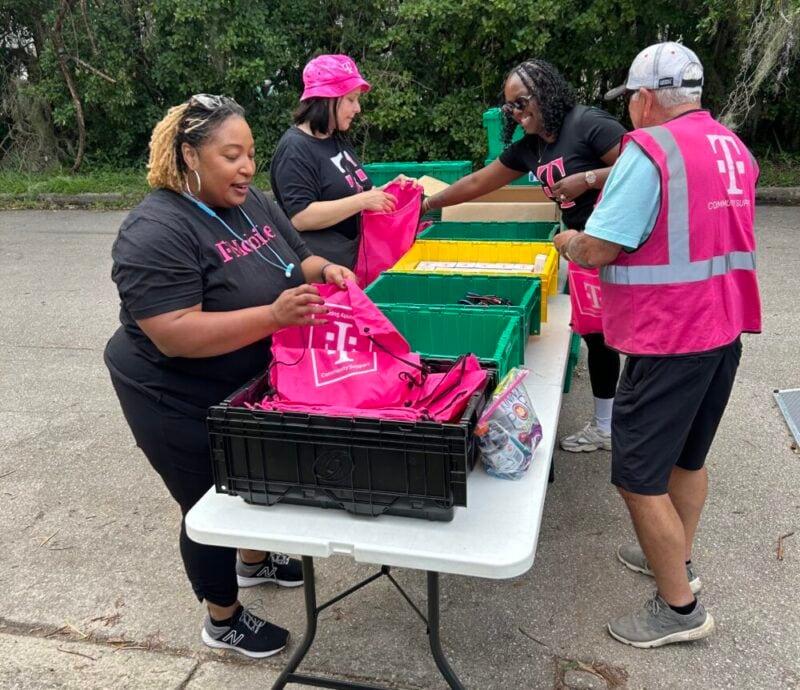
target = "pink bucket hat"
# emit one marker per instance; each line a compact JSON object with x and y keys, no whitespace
{"x":331,"y":76}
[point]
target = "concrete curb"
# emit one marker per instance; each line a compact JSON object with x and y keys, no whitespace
{"x":778,"y":196}
{"x":66,"y":201}
{"x":773,"y":196}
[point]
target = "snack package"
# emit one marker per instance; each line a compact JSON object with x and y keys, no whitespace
{"x":509,"y":431}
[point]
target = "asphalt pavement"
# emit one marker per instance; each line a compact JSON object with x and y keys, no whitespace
{"x":92,"y":591}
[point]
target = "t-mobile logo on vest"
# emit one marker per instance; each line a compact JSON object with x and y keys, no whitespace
{"x":547,"y":175}
{"x":727,"y":165}
{"x":235,"y":249}
{"x":353,"y":174}
{"x":338,"y":350}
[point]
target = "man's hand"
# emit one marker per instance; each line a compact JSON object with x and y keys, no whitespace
{"x":561,"y":240}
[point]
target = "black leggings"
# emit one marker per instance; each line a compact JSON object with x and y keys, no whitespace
{"x":603,"y":366}
{"x":177,"y":447}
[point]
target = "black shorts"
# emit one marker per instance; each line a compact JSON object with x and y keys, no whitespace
{"x":666,"y":412}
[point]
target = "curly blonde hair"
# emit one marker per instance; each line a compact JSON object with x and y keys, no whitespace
{"x":192,"y":122}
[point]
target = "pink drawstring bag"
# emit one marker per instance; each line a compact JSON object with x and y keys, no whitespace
{"x":586,"y":299}
{"x":385,"y":237}
{"x":349,"y":360}
{"x":443,"y":397}
{"x":357,"y":364}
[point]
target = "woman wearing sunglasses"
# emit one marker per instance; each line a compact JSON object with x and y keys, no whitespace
{"x":570,"y":148}
{"x":207,"y":269}
{"x":315,"y":174}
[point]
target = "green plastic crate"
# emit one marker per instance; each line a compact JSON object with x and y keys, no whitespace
{"x":572,"y":362}
{"x":423,"y":289}
{"x":447,"y":333}
{"x":497,"y":231}
{"x":493,"y":123}
{"x":445,"y":171}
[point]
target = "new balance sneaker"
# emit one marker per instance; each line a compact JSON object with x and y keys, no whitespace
{"x":657,"y":624}
{"x":247,"y":634}
{"x":276,"y":568}
{"x":632,"y":556}
{"x":588,"y":439}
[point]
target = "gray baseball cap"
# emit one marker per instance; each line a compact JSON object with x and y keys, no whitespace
{"x":662,"y":66}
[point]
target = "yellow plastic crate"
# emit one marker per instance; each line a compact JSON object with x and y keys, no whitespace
{"x":485,"y":252}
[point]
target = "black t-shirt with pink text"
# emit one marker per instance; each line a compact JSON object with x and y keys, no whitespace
{"x":306,"y":169}
{"x":586,"y":134}
{"x":170,"y":255}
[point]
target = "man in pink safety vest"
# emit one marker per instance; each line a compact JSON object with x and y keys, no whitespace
{"x":673,"y":237}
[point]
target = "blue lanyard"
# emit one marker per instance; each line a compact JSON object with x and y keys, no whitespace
{"x":283,"y":266}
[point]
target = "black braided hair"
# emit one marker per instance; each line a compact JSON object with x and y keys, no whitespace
{"x":552,"y":93}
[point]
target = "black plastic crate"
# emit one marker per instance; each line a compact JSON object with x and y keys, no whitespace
{"x":361,"y":465}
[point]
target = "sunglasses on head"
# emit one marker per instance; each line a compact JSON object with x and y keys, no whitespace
{"x":207,"y":101}
{"x":520,"y":104}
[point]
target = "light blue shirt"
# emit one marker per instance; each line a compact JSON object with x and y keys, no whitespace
{"x":631,"y":199}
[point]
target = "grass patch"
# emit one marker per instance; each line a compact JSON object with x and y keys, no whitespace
{"x":23,"y":190}
{"x":779,"y":169}
{"x":59,"y":182}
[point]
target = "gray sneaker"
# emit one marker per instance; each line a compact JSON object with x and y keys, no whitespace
{"x":587,"y":440}
{"x":632,"y":556}
{"x":657,"y":624}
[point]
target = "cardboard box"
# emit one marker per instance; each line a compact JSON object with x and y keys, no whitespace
{"x":517,"y":195}
{"x":502,"y":211}
{"x":431,"y":185}
{"x":505,"y":204}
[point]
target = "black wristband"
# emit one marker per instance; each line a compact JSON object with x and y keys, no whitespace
{"x":322,"y":272}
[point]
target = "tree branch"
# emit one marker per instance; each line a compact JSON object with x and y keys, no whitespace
{"x":89,"y":33}
{"x":93,"y":70}
{"x":58,"y":44}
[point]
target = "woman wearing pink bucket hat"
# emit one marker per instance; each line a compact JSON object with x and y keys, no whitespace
{"x":315,"y":174}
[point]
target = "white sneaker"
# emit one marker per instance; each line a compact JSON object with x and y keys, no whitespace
{"x":588,"y":439}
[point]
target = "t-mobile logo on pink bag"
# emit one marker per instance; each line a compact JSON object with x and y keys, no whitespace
{"x":338,"y":351}
{"x":727,"y":165}
{"x":593,"y":295}
{"x":341,"y":339}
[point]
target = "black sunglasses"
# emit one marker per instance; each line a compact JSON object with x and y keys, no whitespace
{"x":520,"y":104}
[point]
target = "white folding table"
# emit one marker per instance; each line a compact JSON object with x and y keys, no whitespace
{"x":494,"y":537}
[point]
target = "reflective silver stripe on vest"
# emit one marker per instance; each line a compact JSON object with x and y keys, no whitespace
{"x":680,"y":268}
{"x":691,"y":272}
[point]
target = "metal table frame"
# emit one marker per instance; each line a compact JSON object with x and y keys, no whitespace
{"x":289,"y":674}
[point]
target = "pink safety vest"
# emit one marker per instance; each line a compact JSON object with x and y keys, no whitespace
{"x":691,"y":286}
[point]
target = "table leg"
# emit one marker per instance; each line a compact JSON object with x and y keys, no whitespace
{"x":288,"y":674}
{"x":433,"y":634}
{"x":310,"y":590}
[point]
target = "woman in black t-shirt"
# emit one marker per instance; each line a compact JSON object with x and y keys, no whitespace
{"x":315,"y":174}
{"x":207,"y":269}
{"x":570,"y":148}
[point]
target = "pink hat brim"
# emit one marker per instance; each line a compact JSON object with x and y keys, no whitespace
{"x":340,"y":88}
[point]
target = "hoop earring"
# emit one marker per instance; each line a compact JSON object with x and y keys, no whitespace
{"x":189,"y":187}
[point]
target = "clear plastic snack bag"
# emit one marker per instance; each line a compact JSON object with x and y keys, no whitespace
{"x":509,"y":431}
